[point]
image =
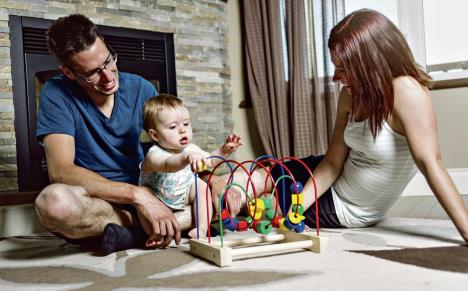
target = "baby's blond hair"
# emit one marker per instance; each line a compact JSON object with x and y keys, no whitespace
{"x":155,"y":105}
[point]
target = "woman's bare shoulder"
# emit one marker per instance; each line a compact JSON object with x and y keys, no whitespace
{"x":405,"y":85}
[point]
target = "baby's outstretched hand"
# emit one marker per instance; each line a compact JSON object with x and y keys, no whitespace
{"x":233,"y":141}
{"x":198,"y":161}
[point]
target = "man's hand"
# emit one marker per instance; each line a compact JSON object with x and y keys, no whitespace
{"x":234,"y":197}
{"x":157,"y":220}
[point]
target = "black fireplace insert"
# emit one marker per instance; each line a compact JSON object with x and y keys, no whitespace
{"x":146,"y":53}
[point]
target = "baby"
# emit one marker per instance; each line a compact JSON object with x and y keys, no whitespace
{"x":169,"y":164}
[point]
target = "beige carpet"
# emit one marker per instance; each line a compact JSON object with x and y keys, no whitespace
{"x":352,"y":260}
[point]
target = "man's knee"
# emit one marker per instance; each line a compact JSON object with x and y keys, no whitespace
{"x":57,"y":203}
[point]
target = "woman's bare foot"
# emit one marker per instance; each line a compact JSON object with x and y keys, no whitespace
{"x":193,"y":233}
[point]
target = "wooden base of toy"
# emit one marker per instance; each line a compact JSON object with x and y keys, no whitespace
{"x":258,"y":246}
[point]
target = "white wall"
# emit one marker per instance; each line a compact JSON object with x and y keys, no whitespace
{"x":244,"y":123}
{"x":451,"y":107}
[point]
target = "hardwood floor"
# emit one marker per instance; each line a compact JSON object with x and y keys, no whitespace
{"x":420,"y":207}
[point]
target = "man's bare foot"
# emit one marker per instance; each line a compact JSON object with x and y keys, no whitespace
{"x":193,"y":233}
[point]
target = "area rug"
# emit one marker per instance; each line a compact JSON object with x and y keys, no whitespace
{"x":454,"y":259}
{"x":351,"y":259}
{"x":150,"y":270}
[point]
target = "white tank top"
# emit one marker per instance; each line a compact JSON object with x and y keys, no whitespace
{"x":374,"y":174}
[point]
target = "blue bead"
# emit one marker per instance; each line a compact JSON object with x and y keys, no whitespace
{"x":288,"y":224}
{"x":300,"y":227}
{"x":232,"y":225}
{"x":293,"y":189}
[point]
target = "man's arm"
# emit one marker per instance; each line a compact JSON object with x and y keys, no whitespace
{"x":60,"y":154}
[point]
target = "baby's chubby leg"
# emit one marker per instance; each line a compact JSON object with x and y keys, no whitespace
{"x":204,"y":203}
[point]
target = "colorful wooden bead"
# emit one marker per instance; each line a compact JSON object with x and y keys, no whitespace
{"x":288,"y":224}
{"x":297,"y":198}
{"x":270,"y":213}
{"x":300,"y":227}
{"x":254,"y":224}
{"x":276,"y":221}
{"x":299,"y":207}
{"x":263,"y":227}
{"x":296,"y":188}
{"x":232,"y":225}
{"x":295,"y":218}
{"x":225,"y":214}
{"x":258,"y":213}
{"x":242,"y":226}
{"x":258,"y":203}
{"x":281,"y":224}
{"x":267,"y":201}
{"x":202,"y":168}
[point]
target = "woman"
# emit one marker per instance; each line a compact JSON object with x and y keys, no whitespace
{"x":385,"y":130}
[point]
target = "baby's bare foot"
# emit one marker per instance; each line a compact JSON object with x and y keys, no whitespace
{"x":150,"y":243}
{"x":193,"y":233}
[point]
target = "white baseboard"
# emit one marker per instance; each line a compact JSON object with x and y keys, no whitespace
{"x":418,"y":185}
{"x":19,"y":220}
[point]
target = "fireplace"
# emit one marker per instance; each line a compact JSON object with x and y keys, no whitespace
{"x":146,"y":53}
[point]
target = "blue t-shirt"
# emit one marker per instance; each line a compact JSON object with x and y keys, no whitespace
{"x":108,"y":146}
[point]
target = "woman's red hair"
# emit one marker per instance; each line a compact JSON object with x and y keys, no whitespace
{"x":373,"y":52}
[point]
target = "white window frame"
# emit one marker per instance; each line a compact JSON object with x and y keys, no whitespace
{"x":411,"y":23}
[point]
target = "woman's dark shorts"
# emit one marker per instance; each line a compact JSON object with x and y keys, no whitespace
{"x":326,"y":207}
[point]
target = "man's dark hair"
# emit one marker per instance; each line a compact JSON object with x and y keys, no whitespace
{"x":70,"y":35}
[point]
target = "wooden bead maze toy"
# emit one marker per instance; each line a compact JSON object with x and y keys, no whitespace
{"x":275,"y":234}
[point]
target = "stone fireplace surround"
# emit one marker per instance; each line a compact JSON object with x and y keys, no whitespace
{"x":200,"y":46}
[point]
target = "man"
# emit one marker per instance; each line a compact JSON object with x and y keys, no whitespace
{"x":89,"y":122}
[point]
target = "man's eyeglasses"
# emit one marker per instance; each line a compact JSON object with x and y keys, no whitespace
{"x":95,"y":74}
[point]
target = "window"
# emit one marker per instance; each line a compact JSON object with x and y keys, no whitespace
{"x":435,"y":32}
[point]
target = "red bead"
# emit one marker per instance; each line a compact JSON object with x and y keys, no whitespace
{"x":242,"y":226}
{"x":276,"y":221}
{"x":225,"y":214}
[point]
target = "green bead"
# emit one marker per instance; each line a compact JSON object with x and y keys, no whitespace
{"x":270,"y":213}
{"x":249,"y":220}
{"x":267,"y":201}
{"x":264,"y":227}
{"x":300,"y":208}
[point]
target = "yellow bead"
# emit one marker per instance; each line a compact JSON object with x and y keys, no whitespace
{"x":202,"y":168}
{"x":258,"y":212}
{"x":297,"y":198}
{"x":295,"y":218}
{"x":259,"y":202}
{"x":281,"y":225}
